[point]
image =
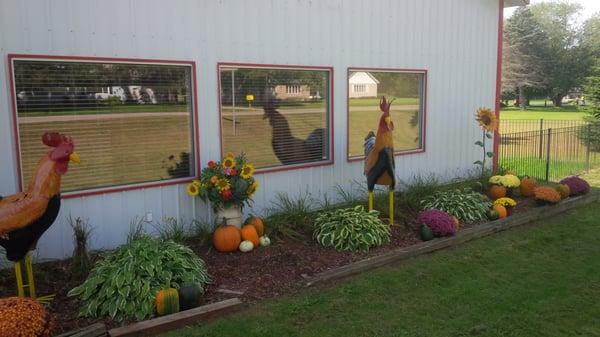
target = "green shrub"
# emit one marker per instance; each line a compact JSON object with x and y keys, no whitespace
{"x":465,"y":205}
{"x":351,"y":229}
{"x":123,"y":285}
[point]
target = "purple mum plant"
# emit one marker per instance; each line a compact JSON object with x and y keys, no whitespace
{"x":577,"y":185}
{"x":440,"y":222}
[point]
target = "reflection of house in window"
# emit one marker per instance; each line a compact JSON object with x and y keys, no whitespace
{"x":292,"y":91}
{"x":362,"y":84}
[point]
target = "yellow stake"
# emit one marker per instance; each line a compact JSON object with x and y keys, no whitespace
{"x":370,"y":201}
{"x":391,"y":201}
{"x":30,"y":279}
{"x":20,"y":290}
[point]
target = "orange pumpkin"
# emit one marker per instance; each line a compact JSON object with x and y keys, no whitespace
{"x":497,"y":191}
{"x":249,"y":233}
{"x":502,"y":212}
{"x":227,"y":238}
{"x":527,"y":186}
{"x":257,"y":223}
{"x":456,"y":223}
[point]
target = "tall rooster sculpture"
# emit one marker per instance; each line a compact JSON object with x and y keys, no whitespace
{"x":379,"y":157}
{"x":25,"y":216}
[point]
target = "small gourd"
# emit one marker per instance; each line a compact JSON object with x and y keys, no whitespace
{"x":167,"y":301}
{"x":493,"y":214}
{"x":264,"y":241}
{"x":563,"y":190}
{"x":456,"y":223}
{"x":227,"y":238}
{"x":426,"y":233}
{"x":246,"y":246}
{"x":501,"y":210}
{"x":257,"y":223}
{"x":189,"y":295}
{"x":249,"y":233}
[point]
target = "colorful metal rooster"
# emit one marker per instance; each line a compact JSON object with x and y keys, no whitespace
{"x":25,"y":216}
{"x":379,"y":157}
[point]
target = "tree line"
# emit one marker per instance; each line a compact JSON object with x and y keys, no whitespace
{"x":549,"y":54}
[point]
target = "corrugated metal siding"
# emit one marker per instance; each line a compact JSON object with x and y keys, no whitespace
{"x":454,"y":40}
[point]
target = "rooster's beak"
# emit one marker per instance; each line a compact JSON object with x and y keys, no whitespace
{"x":74,"y":157}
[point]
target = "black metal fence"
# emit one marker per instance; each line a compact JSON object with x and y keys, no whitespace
{"x":551,"y":154}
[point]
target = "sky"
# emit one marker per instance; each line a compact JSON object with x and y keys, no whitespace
{"x":589,"y":7}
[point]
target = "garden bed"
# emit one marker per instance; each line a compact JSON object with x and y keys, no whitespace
{"x":282,"y":268}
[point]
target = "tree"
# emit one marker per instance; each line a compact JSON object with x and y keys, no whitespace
{"x":592,"y":89}
{"x":590,"y":36}
{"x":566,"y":60}
{"x":523,"y":51}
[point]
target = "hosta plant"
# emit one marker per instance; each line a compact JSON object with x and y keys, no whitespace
{"x":352,"y":229}
{"x":466,"y":205}
{"x":577,"y":186}
{"x":440,"y":222}
{"x":124,"y":283}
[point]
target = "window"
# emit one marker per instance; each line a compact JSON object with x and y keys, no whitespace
{"x":360,"y":88}
{"x":288,"y":121}
{"x":131,"y":122}
{"x":407,"y":88}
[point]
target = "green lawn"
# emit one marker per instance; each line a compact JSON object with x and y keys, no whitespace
{"x":539,"y":280}
{"x":537,"y":110}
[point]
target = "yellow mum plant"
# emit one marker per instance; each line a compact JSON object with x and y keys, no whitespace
{"x":506,"y":202}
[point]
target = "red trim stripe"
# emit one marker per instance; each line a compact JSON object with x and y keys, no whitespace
{"x":498,"y":82}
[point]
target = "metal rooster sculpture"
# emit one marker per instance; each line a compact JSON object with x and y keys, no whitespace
{"x":379,"y":157}
{"x":25,"y":216}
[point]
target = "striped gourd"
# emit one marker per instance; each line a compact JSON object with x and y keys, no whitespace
{"x":167,"y":301}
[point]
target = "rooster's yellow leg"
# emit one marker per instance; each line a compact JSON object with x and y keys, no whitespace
{"x":391,"y":197}
{"x":370,"y":201}
{"x":19,"y":276}
{"x":30,"y":279}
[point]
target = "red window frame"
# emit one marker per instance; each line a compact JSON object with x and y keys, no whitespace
{"x":423,"y":125}
{"x":117,"y":188}
{"x":331,"y":159}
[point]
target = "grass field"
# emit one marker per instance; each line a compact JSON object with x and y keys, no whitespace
{"x":513,"y":119}
{"x":538,"y":280}
{"x":113,"y":151}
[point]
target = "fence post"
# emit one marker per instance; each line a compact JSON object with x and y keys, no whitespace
{"x":548,"y":153}
{"x":541,"y":136}
{"x":588,"y":144}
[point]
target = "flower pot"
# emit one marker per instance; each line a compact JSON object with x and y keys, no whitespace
{"x":231,"y":215}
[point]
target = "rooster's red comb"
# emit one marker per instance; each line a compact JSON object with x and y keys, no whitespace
{"x":54,"y":139}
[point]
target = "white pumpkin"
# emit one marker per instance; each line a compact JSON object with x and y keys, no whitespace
{"x":264,"y":241}
{"x":246,"y":246}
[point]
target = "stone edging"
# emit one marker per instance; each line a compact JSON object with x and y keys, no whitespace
{"x":465,"y":235}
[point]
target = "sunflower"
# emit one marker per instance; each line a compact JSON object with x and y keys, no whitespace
{"x":197,"y":183}
{"x":487,"y":119}
{"x":247,"y":171}
{"x":193,"y":189}
{"x":252,"y":188}
{"x":229,"y":162}
{"x":214,"y":180}
{"x":223,"y":184}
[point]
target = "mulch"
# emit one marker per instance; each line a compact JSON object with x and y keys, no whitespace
{"x":262,"y":273}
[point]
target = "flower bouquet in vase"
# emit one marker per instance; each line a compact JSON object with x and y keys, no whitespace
{"x":229,"y":186}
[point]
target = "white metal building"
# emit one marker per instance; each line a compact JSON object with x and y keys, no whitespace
{"x":453,"y":45}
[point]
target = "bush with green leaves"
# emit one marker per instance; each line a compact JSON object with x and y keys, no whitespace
{"x":465,"y":205}
{"x":351,"y":229}
{"x":123,"y":285}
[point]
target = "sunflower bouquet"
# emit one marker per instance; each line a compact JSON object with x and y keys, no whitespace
{"x":487,"y":120}
{"x":226,"y":183}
